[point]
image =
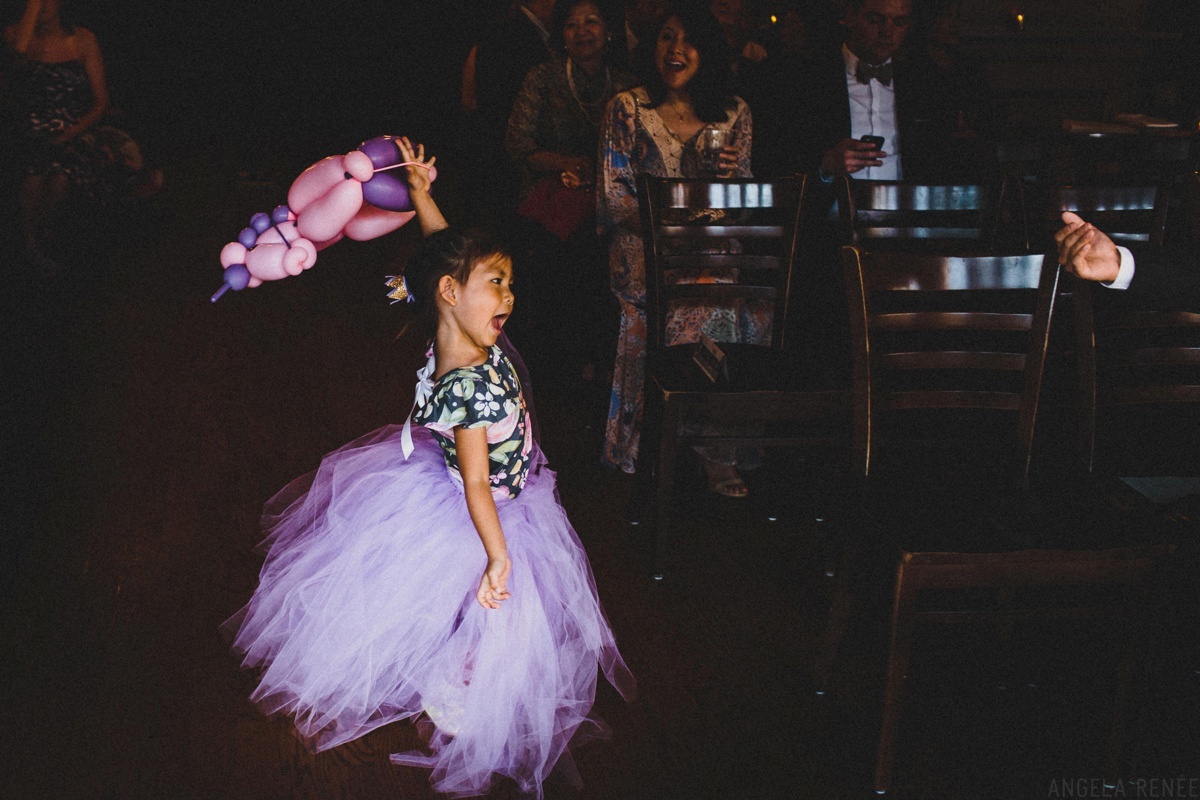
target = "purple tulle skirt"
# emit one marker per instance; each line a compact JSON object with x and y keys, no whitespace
{"x":365,"y":614}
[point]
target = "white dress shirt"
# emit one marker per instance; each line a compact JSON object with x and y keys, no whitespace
{"x":873,"y":112}
{"x":1125,"y":273}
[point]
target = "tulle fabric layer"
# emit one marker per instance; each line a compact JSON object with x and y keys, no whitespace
{"x":365,"y":614}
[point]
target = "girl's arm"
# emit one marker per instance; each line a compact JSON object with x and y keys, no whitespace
{"x":94,"y":64}
{"x":429,"y":216}
{"x":471,"y":444}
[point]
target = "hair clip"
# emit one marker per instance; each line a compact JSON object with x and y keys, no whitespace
{"x":399,"y":288}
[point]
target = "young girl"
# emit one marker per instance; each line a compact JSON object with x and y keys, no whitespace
{"x":429,"y":568}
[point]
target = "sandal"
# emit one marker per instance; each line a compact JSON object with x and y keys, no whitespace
{"x":734,"y":487}
{"x":725,"y":480}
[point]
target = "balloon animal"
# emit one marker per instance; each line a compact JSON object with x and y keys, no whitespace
{"x":351,"y":196}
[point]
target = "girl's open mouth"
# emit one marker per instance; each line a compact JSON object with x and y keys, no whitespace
{"x":498,"y":322}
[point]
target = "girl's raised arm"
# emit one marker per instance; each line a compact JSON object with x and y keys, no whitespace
{"x":428,"y":214}
{"x":471,"y":444}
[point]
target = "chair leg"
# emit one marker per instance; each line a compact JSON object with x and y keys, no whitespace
{"x":839,"y":614}
{"x":1134,"y":620}
{"x":903,"y":618}
{"x":849,"y":535}
{"x":663,"y":483}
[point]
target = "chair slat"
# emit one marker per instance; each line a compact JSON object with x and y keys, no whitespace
{"x":911,"y":272}
{"x":1150,"y":395}
{"x":720,"y":231}
{"x":955,"y":359}
{"x":1155,"y":319}
{"x":956,"y":320}
{"x":719,"y":260}
{"x":879,"y":232}
{"x":930,"y":398}
{"x":715,"y":291}
{"x":1158,"y":356}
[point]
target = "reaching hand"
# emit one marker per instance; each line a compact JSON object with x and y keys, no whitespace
{"x":849,"y":156}
{"x":417,"y":177}
{"x":493,"y":586}
{"x":1085,"y":251}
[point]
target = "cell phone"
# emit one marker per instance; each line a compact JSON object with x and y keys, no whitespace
{"x":875,"y":140}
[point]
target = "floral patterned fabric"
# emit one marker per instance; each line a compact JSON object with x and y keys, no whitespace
{"x":488,"y":395}
{"x":635,"y":141}
{"x":548,"y":116}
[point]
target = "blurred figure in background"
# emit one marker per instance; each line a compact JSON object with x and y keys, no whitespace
{"x":55,"y":95}
{"x":552,"y":137}
{"x":500,"y":62}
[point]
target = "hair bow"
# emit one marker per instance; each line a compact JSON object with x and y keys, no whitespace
{"x":423,"y":393}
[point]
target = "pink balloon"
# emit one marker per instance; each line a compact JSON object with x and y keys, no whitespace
{"x":358,"y":165}
{"x":233,"y":253}
{"x":325,"y":204}
{"x":372,"y":222}
{"x":326,"y":216}
{"x":315,"y":181}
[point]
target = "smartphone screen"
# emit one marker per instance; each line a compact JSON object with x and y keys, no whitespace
{"x":875,"y":140}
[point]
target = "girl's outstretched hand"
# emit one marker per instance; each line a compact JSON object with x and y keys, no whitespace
{"x":493,"y":587}
{"x":417,"y":178}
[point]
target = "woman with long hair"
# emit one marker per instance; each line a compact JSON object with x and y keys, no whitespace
{"x":654,"y":130}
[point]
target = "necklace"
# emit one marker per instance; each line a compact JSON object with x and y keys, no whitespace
{"x":678,"y":113}
{"x":594,"y":121}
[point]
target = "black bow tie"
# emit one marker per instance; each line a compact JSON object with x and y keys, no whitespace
{"x":882,"y":73}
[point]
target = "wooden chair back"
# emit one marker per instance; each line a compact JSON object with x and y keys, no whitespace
{"x":934,"y":331}
{"x":1139,"y":375}
{"x":745,"y":231}
{"x":1128,"y":214}
{"x":893,"y":214}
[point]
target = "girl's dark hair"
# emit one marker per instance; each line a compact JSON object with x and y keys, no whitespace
{"x":711,"y":89}
{"x":449,"y":251}
{"x":614,"y":19}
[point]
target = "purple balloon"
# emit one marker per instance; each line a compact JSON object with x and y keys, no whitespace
{"x":248,"y":238}
{"x":388,"y":192}
{"x":236,"y":277}
{"x":260,"y":222}
{"x":280,"y":214}
{"x":382,"y":151}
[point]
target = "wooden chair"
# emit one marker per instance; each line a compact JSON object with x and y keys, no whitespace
{"x":893,"y":214}
{"x":687,"y":227}
{"x":1139,"y":374}
{"x":1130,"y":214}
{"x":966,"y":336}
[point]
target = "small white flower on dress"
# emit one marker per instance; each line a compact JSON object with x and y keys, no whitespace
{"x":486,"y":405}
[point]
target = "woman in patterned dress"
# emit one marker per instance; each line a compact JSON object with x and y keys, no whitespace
{"x":653,"y":131}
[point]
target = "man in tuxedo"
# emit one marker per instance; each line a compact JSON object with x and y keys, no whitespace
{"x":868,"y":87}
{"x":1166,"y":277}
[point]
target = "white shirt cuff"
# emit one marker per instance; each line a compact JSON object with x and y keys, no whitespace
{"x":1125,"y":273}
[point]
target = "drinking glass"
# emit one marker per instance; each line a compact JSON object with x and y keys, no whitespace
{"x":711,"y":142}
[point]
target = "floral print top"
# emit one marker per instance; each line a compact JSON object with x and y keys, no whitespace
{"x":488,"y":395}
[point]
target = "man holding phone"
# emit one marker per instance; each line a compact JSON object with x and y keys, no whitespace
{"x":867,"y":109}
{"x":874,"y":30}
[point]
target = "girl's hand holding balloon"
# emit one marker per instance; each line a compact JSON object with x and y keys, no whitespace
{"x":416,"y":175}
